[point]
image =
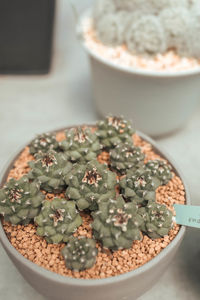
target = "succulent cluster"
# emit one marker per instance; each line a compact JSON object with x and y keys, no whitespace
{"x":150,"y":27}
{"x":80,"y":253}
{"x":81,"y":145}
{"x":120,"y":196}
{"x":20,"y":200}
{"x":113,"y":131}
{"x":90,"y":184}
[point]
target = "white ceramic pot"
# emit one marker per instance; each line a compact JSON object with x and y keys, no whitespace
{"x":127,"y":286}
{"x":157,"y":102}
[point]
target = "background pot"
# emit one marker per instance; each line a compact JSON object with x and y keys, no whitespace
{"x":127,"y":286}
{"x":157,"y":102}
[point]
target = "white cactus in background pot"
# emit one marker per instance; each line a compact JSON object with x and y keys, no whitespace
{"x":150,"y":27}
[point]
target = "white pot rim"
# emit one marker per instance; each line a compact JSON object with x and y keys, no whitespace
{"x":54,"y":277}
{"x":127,"y":69}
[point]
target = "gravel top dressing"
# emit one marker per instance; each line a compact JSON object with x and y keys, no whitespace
{"x":108,"y":263}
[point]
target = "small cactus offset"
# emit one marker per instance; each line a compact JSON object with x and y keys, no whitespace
{"x":58,"y":220}
{"x":20,"y":201}
{"x":49,"y":170}
{"x":81,"y":145}
{"x":139,"y":186}
{"x":80,"y":253}
{"x":89,"y":184}
{"x":157,"y":220}
{"x":160,"y":169}
{"x":116,"y":224}
{"x":113,"y":131}
{"x":124,"y":157}
{"x":43,"y":143}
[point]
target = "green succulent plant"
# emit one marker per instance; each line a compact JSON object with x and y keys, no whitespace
{"x":20,"y":200}
{"x":89,"y":184}
{"x":160,"y":169}
{"x":139,"y":186}
{"x":80,"y":253}
{"x":43,"y":143}
{"x":124,"y":157}
{"x":113,"y":131}
{"x":49,"y":170}
{"x":116,"y":224}
{"x":81,"y":145}
{"x":58,"y":220}
{"x":157,"y":220}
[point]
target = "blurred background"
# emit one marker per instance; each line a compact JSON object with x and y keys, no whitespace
{"x":52,"y":90}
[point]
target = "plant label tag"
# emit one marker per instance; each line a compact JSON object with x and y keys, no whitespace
{"x":187,"y":215}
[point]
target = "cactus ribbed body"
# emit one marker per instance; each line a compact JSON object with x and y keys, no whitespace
{"x":113,"y":131}
{"x":124,"y":157}
{"x":139,"y":186}
{"x":49,"y":170}
{"x":157,"y":220}
{"x":80,"y":253}
{"x":43,"y":143}
{"x":146,"y":36}
{"x":102,"y":8}
{"x":90,"y":184}
{"x":160,"y":169}
{"x":116,"y":224}
{"x":81,"y":145}
{"x":20,"y":200}
{"x":58,"y":220}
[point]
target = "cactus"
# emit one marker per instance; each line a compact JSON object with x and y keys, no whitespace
{"x":49,"y":170}
{"x":139,"y":186}
{"x":20,"y":200}
{"x":156,"y":26}
{"x":81,"y":145}
{"x":57,"y":220}
{"x":160,"y":169}
{"x":116,"y":224}
{"x":43,"y":143}
{"x":113,"y":131}
{"x":90,"y":184}
{"x":80,"y":253}
{"x":157,"y":220}
{"x":117,"y":24}
{"x":102,"y":8}
{"x":146,"y":36}
{"x":176,"y":22}
{"x":124,"y":157}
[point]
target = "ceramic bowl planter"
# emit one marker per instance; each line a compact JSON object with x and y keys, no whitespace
{"x":143,"y":95}
{"x":127,"y":286}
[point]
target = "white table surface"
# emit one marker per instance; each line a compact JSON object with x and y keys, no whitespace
{"x":35,"y":104}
